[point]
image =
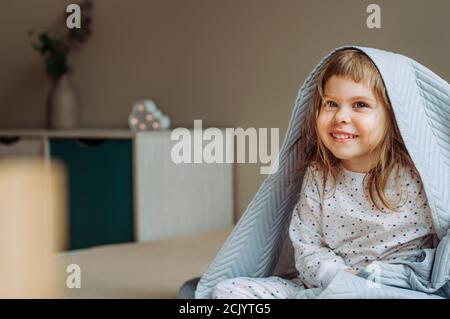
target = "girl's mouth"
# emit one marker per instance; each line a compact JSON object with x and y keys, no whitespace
{"x":343,"y":138}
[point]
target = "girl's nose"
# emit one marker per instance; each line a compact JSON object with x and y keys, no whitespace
{"x":342,"y":115}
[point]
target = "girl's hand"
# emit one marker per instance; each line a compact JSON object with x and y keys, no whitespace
{"x":350,"y":270}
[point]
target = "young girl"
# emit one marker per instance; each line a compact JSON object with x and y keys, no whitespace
{"x":361,"y":200}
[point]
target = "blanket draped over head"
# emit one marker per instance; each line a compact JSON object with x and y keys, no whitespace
{"x":259,"y":245}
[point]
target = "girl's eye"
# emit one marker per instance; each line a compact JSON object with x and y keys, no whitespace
{"x":330,"y":104}
{"x":360,"y":105}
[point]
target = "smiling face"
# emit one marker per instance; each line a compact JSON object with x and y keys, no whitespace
{"x":351,"y":123}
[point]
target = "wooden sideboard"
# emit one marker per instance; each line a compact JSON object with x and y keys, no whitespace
{"x":123,"y":186}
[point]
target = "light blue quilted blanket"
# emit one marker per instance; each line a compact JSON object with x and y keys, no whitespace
{"x":259,"y":244}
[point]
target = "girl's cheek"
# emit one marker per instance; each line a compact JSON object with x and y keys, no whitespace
{"x":321,"y":126}
{"x":325,"y":124}
{"x":324,"y":118}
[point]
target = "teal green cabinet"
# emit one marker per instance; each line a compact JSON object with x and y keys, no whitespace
{"x":100,"y":189}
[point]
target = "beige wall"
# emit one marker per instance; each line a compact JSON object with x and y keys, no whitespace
{"x":231,"y":63}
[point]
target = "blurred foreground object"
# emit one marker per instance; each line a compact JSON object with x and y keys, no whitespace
{"x":32,"y":227}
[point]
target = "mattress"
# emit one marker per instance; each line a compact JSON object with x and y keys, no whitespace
{"x":152,"y":269}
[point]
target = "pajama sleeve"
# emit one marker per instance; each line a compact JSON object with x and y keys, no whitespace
{"x":316,"y":263}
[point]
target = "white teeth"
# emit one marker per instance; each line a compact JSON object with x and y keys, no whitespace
{"x":341,"y":136}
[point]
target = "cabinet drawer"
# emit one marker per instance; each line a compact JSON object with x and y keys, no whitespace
{"x":100,"y":189}
{"x":179,"y":199}
{"x":21,"y":147}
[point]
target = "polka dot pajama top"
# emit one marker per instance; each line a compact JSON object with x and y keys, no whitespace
{"x":343,"y":229}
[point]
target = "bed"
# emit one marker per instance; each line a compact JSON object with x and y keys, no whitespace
{"x":152,"y":269}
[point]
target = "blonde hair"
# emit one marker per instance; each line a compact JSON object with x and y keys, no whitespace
{"x":390,"y":153}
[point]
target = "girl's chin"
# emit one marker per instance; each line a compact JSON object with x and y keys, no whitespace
{"x":344,"y":155}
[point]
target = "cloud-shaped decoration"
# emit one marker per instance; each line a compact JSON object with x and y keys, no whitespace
{"x":146,"y":116}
